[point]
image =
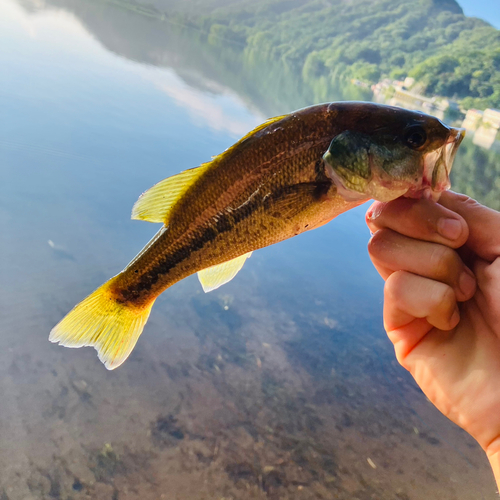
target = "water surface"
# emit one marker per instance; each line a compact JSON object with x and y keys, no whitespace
{"x":281,"y":384}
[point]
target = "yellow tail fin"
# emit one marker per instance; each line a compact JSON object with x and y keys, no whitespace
{"x":99,"y":321}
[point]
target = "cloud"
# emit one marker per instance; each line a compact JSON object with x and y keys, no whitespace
{"x":44,"y":21}
{"x":223,"y":111}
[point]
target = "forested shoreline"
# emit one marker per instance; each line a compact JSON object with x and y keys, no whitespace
{"x":329,"y":42}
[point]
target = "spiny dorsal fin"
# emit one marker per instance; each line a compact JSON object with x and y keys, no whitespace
{"x":155,"y":204}
{"x":258,"y":128}
{"x":216,"y":276}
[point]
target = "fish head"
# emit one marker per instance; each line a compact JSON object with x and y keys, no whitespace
{"x":388,"y":152}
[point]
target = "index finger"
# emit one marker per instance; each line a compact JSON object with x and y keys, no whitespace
{"x":483,"y":224}
{"x":420,"y":219}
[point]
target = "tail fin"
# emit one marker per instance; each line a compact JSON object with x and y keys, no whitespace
{"x":102,"y":322}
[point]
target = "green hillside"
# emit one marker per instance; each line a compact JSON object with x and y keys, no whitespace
{"x":326,"y":42}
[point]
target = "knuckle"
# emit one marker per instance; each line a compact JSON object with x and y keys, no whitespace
{"x":494,"y":270}
{"x":444,"y":296}
{"x":461,"y":198}
{"x":373,"y":243}
{"x":467,"y":200}
{"x":403,"y":360}
{"x":378,"y":242}
{"x":489,"y":274}
{"x":443,"y":260}
{"x":395,"y":284}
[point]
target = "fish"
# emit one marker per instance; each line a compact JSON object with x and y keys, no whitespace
{"x":291,"y":174}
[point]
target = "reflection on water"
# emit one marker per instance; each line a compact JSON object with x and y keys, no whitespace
{"x":280,"y":384}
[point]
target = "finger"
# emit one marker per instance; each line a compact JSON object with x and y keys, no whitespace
{"x":412,"y":306}
{"x":483,"y":223}
{"x":488,"y":282}
{"x":408,"y":296}
{"x":419,"y":219}
{"x":391,"y":251}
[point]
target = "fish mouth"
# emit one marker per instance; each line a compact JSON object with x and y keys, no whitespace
{"x":437,"y":166}
{"x":451,"y":147}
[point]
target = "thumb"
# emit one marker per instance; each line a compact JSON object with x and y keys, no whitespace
{"x":483,"y":222}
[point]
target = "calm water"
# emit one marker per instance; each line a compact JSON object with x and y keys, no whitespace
{"x":279,"y":385}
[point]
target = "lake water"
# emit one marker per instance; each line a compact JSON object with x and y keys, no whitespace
{"x":280,"y":385}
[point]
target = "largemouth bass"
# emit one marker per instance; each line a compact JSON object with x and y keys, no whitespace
{"x":291,"y":174}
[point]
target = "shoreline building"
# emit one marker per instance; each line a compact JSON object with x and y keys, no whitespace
{"x":398,"y":93}
{"x":484,"y":125}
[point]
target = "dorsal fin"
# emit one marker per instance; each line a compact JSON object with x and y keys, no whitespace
{"x":155,"y":204}
{"x":216,"y":276}
{"x":263,"y":125}
{"x":258,"y":128}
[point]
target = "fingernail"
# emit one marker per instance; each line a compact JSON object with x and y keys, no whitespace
{"x":449,"y":228}
{"x":467,"y":282}
{"x":455,"y":318}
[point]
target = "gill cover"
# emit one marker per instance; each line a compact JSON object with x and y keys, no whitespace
{"x":355,"y":164}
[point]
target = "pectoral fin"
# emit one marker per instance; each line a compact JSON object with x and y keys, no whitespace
{"x":216,"y":276}
{"x":155,"y":204}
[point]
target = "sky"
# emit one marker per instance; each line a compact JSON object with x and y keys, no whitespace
{"x":488,"y":10}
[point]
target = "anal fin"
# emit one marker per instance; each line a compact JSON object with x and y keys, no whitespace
{"x":216,"y":276}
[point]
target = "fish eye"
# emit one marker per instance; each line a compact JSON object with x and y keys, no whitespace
{"x":415,"y":137}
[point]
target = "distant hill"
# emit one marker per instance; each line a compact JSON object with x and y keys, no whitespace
{"x":325,"y":41}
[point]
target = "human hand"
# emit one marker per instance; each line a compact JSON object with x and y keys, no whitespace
{"x":441,"y":264}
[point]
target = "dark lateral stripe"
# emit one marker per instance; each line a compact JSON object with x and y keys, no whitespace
{"x":225,"y":223}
